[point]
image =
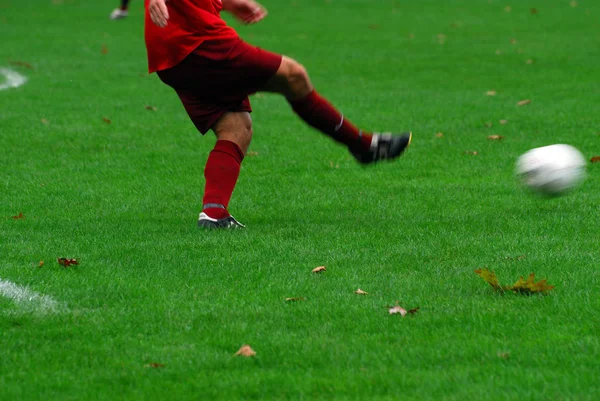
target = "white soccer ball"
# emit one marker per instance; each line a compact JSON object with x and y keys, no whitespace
{"x":551,"y":170}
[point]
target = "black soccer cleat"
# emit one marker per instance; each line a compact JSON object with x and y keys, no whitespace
{"x":385,"y":146}
{"x":208,"y":222}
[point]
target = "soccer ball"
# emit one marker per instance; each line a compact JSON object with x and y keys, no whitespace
{"x":551,"y":170}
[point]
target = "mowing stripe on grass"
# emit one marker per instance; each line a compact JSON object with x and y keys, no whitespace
{"x":28,"y":299}
{"x":13,"y":79}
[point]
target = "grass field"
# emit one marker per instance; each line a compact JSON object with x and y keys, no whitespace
{"x":153,"y":289}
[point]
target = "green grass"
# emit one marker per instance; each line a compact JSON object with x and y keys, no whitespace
{"x":123,"y":197}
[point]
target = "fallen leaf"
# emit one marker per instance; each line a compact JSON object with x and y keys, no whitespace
{"x":471,"y":152}
{"x":574,"y":3}
{"x":41,"y":264}
{"x":495,"y":137}
{"x":19,"y":216}
{"x":319,"y":269}
{"x":533,"y":11}
{"x":360,"y":292}
{"x":513,"y":41}
{"x":595,"y":159}
{"x":439,"y":135}
{"x":151,"y":108}
{"x":504,"y":355}
{"x":67,"y":262}
{"x":106,"y":120}
{"x":295,"y":299}
{"x":488,"y":124}
{"x":498,"y":51}
{"x":524,"y":102}
{"x":529,"y":286}
{"x":507,"y":9}
{"x":522,"y":286}
{"x":529,"y":61}
{"x":489,"y":278}
{"x":44,"y":121}
{"x":104,"y":49}
{"x":397,"y":309}
{"x":21,"y":64}
{"x":490,"y":93}
{"x":154,"y":365}
{"x":503,"y":122}
{"x":245,"y":351}
{"x":252,"y":153}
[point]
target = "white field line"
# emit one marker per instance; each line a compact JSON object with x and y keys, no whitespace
{"x":28,"y":299}
{"x":13,"y":79}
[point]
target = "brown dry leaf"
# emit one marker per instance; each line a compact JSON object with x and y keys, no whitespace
{"x":507,"y":9}
{"x":44,"y":121}
{"x":529,"y":286}
{"x":245,"y":351}
{"x":490,"y":93}
{"x":504,"y":355}
{"x":397,"y":309}
{"x":495,"y":137}
{"x":574,"y":3}
{"x":252,"y":153}
{"x":21,"y":64}
{"x":595,"y":159}
{"x":439,"y":135}
{"x":529,"y":61}
{"x":319,"y":269}
{"x":524,"y":102}
{"x":41,"y":264}
{"x":503,"y":122}
{"x":104,"y":49}
{"x":533,"y":11}
{"x":471,"y":152}
{"x":151,"y":108}
{"x":19,"y":216}
{"x":360,"y":292}
{"x":154,"y":365}
{"x":106,"y":120}
{"x":295,"y":299}
{"x":513,"y":41}
{"x":67,"y":262}
{"x":489,"y":278}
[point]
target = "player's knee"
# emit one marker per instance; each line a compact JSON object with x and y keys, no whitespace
{"x":297,"y":75}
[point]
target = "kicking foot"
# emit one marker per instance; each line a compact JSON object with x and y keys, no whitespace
{"x":204,"y":221}
{"x":118,"y":14}
{"x":384,"y":146}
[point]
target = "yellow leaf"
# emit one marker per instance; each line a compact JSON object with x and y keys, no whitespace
{"x":529,"y":286}
{"x":489,"y":277}
{"x":360,"y":292}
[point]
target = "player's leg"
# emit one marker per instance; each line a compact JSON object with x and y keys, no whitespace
{"x":121,"y":12}
{"x":293,"y":82}
{"x":234,"y":133}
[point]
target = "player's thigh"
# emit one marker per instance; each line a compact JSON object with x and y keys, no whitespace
{"x":235,"y":126}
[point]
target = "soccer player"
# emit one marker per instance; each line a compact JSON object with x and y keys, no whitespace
{"x":121,"y":12}
{"x":213,"y":71}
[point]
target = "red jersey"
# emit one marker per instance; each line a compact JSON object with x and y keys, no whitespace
{"x":190,"y":23}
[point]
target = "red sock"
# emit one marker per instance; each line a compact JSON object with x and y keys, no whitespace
{"x":221,"y":173}
{"x":317,"y":112}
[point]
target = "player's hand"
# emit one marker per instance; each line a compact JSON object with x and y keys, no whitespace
{"x":247,"y":11}
{"x":159,"y":14}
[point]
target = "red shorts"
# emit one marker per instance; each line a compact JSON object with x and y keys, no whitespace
{"x":218,"y":77}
